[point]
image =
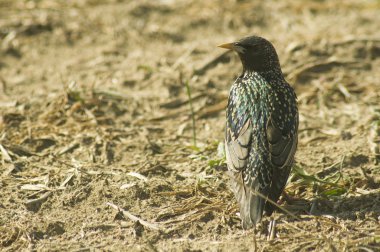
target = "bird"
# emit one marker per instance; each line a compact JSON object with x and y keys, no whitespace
{"x":261,"y":132}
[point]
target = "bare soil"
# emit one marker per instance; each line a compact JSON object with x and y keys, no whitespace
{"x":96,"y":128}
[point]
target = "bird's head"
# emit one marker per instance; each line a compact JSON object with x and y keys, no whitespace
{"x":256,"y":54}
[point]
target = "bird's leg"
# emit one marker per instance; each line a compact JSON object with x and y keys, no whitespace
{"x":271,"y":229}
{"x":314,"y":207}
{"x":254,"y":239}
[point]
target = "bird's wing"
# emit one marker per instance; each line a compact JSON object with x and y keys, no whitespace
{"x":238,"y":146}
{"x":238,"y":130}
{"x":282,"y":145}
{"x":282,"y":148}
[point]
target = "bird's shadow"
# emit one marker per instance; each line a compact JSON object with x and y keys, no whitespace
{"x":351,"y":208}
{"x":346,"y":208}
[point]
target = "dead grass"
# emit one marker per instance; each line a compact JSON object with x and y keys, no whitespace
{"x":111,"y":125}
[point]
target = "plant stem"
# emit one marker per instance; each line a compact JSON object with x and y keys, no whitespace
{"x":192,"y":112}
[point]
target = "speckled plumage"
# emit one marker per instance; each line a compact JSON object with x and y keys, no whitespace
{"x":261,"y":129}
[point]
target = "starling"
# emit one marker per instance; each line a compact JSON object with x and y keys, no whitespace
{"x":261,"y":129}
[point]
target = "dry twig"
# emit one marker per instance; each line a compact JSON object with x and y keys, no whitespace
{"x":132,"y":217}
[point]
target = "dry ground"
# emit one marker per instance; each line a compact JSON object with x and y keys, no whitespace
{"x":95,"y":117}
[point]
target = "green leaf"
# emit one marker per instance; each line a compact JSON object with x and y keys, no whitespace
{"x":334,"y":192}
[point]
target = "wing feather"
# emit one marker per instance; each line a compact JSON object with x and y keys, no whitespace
{"x":237,"y":148}
{"x":282,"y":148}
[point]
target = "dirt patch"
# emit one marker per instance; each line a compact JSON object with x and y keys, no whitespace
{"x":98,"y":149}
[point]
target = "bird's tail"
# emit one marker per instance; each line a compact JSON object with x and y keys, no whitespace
{"x":251,"y":201}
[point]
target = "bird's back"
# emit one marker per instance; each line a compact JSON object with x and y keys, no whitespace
{"x":261,"y":138}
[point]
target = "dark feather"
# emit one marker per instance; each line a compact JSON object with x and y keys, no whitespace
{"x":251,"y":204}
{"x":261,"y":130}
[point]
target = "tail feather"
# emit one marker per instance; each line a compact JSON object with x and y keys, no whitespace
{"x":277,"y":188}
{"x":250,"y":203}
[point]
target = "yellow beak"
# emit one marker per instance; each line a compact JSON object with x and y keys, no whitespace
{"x":227,"y":46}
